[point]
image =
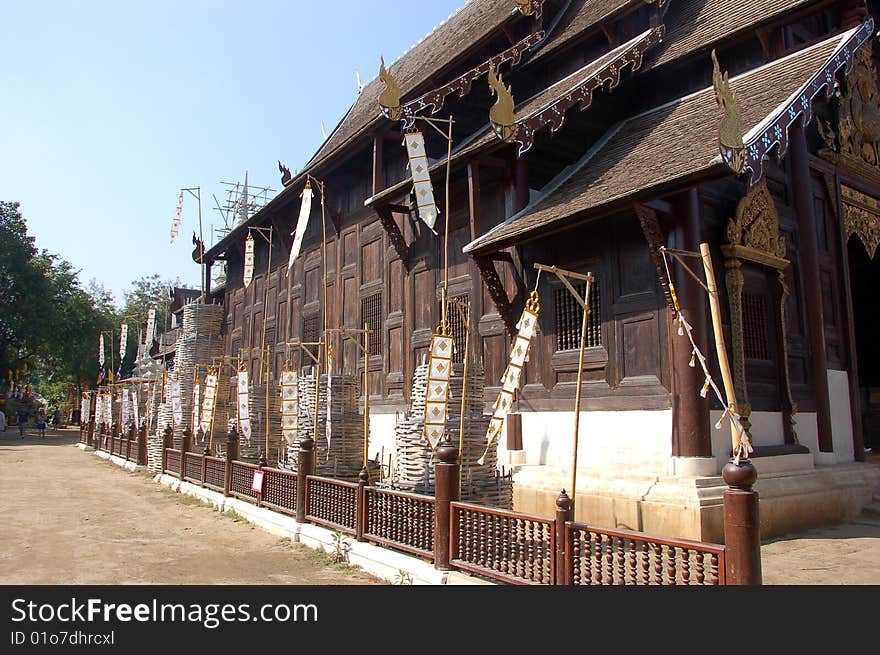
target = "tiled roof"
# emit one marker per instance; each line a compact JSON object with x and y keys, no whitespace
{"x":693,"y":25}
{"x":580,"y":16}
{"x":669,"y":144}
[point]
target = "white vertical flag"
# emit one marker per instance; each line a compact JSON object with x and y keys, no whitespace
{"x":108,"y":409}
{"x":289,"y":405}
{"x":195,"y":409}
{"x":301,"y":224}
{"x":175,"y":222}
{"x":437,"y":394}
{"x":126,"y":408}
{"x":101,"y":350}
{"x":84,"y":409}
{"x":210,"y":398}
{"x":123,"y":339}
{"x":418,"y":166}
{"x":248,"y":260}
{"x":244,"y":417}
{"x":151,"y":324}
{"x":134,"y":408}
{"x":99,"y":408}
{"x":511,"y":379}
{"x":176,"y":406}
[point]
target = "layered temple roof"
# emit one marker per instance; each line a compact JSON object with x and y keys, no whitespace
{"x":668,"y":145}
{"x":667,"y":32}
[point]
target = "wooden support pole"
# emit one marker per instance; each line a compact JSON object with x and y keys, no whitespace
{"x":366,"y":393}
{"x":742,"y":534}
{"x":447,"y":471}
{"x":720,"y":347}
{"x":577,"y":395}
{"x":564,"y":513}
{"x":305,"y":466}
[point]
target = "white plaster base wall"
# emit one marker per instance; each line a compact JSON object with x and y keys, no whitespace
{"x":382,"y":435}
{"x":635,"y":440}
{"x":841,"y":417}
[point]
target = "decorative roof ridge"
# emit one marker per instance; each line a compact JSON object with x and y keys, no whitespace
{"x":773,"y":131}
{"x":561,"y":178}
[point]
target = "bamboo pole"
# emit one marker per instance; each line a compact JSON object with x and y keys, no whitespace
{"x":577,"y":393}
{"x":720,"y":347}
{"x":366,"y":393}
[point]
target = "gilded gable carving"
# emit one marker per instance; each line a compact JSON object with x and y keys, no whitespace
{"x":756,"y":225}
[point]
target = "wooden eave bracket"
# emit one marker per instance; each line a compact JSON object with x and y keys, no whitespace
{"x":493,"y":284}
{"x":398,"y":241}
{"x":649,"y":220}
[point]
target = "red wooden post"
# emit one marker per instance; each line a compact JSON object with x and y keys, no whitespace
{"x":305,"y":466}
{"x":231,"y":456}
{"x":205,"y":454}
{"x":90,"y":440}
{"x":142,"y":445}
{"x":361,"y":515}
{"x":262,"y":462}
{"x":130,"y":439}
{"x":742,"y":537}
{"x":563,"y":514}
{"x":185,"y":446}
{"x":446,"y":475}
{"x":166,"y":444}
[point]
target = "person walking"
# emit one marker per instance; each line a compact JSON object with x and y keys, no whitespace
{"x":41,"y":424}
{"x":56,"y":419}
{"x":22,"y":421}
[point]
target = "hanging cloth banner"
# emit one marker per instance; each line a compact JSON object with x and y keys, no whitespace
{"x":99,"y":409}
{"x":151,"y":389}
{"x":134,"y":408}
{"x":84,"y":409}
{"x":510,"y":381}
{"x":151,"y":324}
{"x":176,"y":405}
{"x":123,"y":339}
{"x":101,"y":350}
{"x":301,"y":224}
{"x":290,"y":406}
{"x":126,"y":408}
{"x":195,"y":410}
{"x":208,"y":403}
{"x":418,"y":166}
{"x":248,"y":260}
{"x":244,"y":417}
{"x":327,"y":427}
{"x":108,"y":409}
{"x":437,"y":394}
{"x":175,"y":222}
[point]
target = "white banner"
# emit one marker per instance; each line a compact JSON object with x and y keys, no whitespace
{"x":195,"y":410}
{"x":84,"y":409}
{"x":176,"y":406}
{"x":151,"y":324}
{"x":510,"y":381}
{"x":418,"y":166}
{"x":123,"y":339}
{"x":126,"y":408}
{"x":108,"y":409}
{"x":175,"y":222}
{"x":101,"y":350}
{"x":437,"y":394}
{"x":244,"y":419}
{"x":301,"y":224}
{"x":208,"y":402}
{"x":135,"y":410}
{"x":289,"y":405}
{"x":151,"y":389}
{"x":248,"y":260}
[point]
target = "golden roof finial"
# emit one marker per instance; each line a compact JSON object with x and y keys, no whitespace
{"x":730,"y":132}
{"x":389,"y":99}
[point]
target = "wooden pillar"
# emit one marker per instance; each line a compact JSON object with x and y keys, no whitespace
{"x":131,"y":438}
{"x":520,"y":185}
{"x":142,"y":445}
{"x":361,"y":507}
{"x":446,"y":490}
{"x":262,"y":462}
{"x":206,"y":272}
{"x":231,"y":456}
{"x":742,"y":535}
{"x":563,"y":514}
{"x":167,"y":442}
{"x":809,"y":251}
{"x":378,"y":163}
{"x":185,"y":447}
{"x":690,"y":412}
{"x":305,"y":466}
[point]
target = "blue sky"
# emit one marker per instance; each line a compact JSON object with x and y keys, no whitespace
{"x":110,"y":108}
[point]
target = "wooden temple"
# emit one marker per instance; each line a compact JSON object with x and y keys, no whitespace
{"x":630,"y":125}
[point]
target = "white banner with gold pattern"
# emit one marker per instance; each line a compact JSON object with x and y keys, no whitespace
{"x":244,"y":418}
{"x":248,"y":260}
{"x":210,"y":398}
{"x":126,"y":408}
{"x":84,"y":410}
{"x":108,"y":409}
{"x":101,"y":350}
{"x":151,"y":325}
{"x":123,"y":340}
{"x":176,"y":404}
{"x":289,"y":405}
{"x":437,"y":394}
{"x":418,"y":166}
{"x":510,"y":381}
{"x":175,"y":222}
{"x":99,"y":409}
{"x":134,"y":408}
{"x":195,"y":408}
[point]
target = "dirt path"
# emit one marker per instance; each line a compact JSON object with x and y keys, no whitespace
{"x":69,"y":517}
